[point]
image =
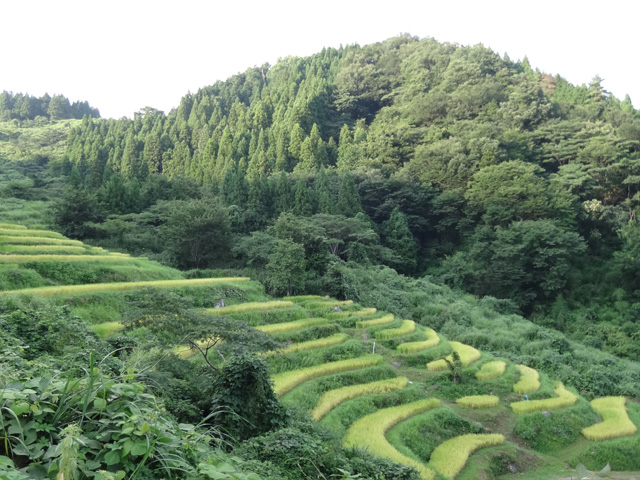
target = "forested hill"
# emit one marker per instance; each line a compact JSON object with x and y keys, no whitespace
{"x":453,"y":161}
{"x":20,"y":106}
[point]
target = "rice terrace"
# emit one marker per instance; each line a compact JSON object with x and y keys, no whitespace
{"x":381,"y":382}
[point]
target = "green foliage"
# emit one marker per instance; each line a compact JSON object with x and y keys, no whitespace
{"x":242,"y":392}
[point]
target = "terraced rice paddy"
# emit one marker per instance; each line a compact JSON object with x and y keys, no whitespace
{"x":478,"y":401}
{"x":407,"y":328}
{"x":432,"y":340}
{"x":336,"y":339}
{"x":615,"y":420}
{"x":491,"y":370}
{"x":249,"y":307}
{"x":564,"y":399}
{"x":283,"y":382}
{"x":65,"y":258}
{"x":467,"y":353}
{"x":383,"y":320}
{"x":292,"y":326}
{"x":529,"y":380}
{"x":450,"y":457}
{"x":118,"y":286}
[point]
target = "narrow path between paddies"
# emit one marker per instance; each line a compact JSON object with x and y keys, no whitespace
{"x":406,"y":328}
{"x":491,"y":370}
{"x":332,"y":398}
{"x":116,"y":286}
{"x":564,"y":399}
{"x":467,"y":353}
{"x":248,"y":307}
{"x":67,"y":258}
{"x":615,"y":420}
{"x":478,"y":401}
{"x":286,"y":381}
{"x":450,"y":457}
{"x":375,"y":321}
{"x":273,"y":328}
{"x":411,"y":347}
{"x":368,"y":433}
{"x":335,"y":339}
{"x":17,"y":240}
{"x":529,"y":380}
{"x":30,"y":233}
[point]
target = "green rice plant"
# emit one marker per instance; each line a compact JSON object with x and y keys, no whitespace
{"x":37,"y":240}
{"x":529,"y":380}
{"x":478,"y":401}
{"x":12,"y":226}
{"x":491,"y":370}
{"x":248,"y":307}
{"x":615,"y":420}
{"x":305,"y":298}
{"x":292,"y":326}
{"x":283,"y":382}
{"x":375,"y":321}
{"x":335,"y":339}
{"x":333,"y":398}
{"x":564,"y":399}
{"x":450,"y":457}
{"x":117,"y":286}
{"x":29,"y":233}
{"x":467,"y":353}
{"x":30,"y":249}
{"x":107,"y":328}
{"x":407,"y":328}
{"x":64,"y":258}
{"x":411,"y":347}
{"x":365,"y":312}
{"x":327,"y":303}
{"x":368,"y":433}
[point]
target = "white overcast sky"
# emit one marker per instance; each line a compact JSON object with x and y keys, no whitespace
{"x":124,"y":55}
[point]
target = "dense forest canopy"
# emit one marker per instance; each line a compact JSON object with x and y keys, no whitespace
{"x":26,"y":107}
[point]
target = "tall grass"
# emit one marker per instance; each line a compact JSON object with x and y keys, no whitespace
{"x":35,"y":240}
{"x":564,"y":399}
{"x":410,"y":347}
{"x":29,"y":233}
{"x":249,"y":307}
{"x":65,"y":258}
{"x":450,"y":457}
{"x":529,"y":380}
{"x":107,"y":328}
{"x":491,"y":370}
{"x":478,"y":401}
{"x":333,"y":398}
{"x":615,"y":420}
{"x":368,"y":433}
{"x":292,"y":326}
{"x":335,"y":339}
{"x":117,"y":286}
{"x":283,"y":382}
{"x":467,"y":353}
{"x":375,"y":321}
{"x":407,"y":328}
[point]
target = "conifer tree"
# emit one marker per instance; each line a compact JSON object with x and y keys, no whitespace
{"x":349,"y":203}
{"x":283,"y":194}
{"x":322,"y":193}
{"x":400,"y":240}
{"x":303,"y":205}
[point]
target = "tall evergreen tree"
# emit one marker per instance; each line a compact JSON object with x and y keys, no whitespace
{"x":349,"y":203}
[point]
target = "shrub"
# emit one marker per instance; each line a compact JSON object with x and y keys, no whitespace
{"x":616,"y":422}
{"x":375,"y":321}
{"x":491,"y":370}
{"x":529,"y":380}
{"x":467,"y":353}
{"x":104,"y":287}
{"x":332,"y":398}
{"x":407,"y":328}
{"x":478,"y":401}
{"x":292,"y":326}
{"x":410,"y":347}
{"x":368,"y":432}
{"x":283,"y":382}
{"x":564,"y":399}
{"x":450,"y":457}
